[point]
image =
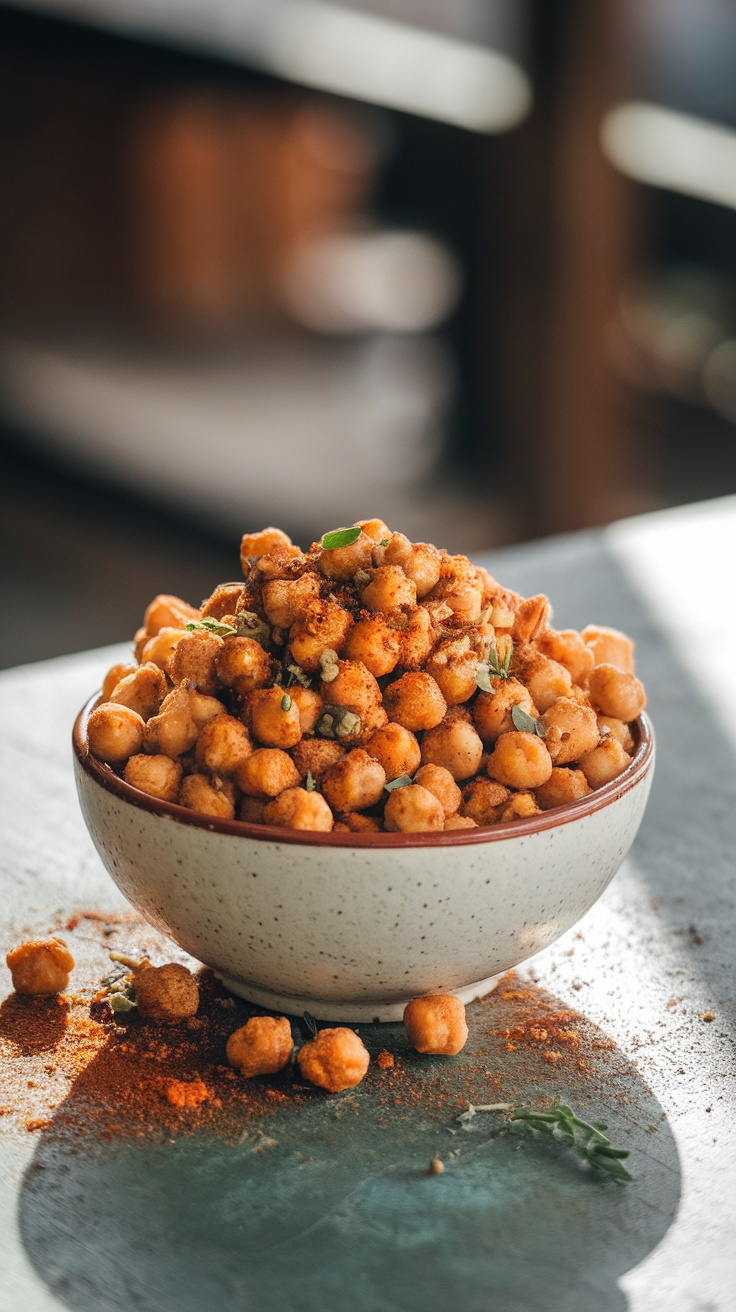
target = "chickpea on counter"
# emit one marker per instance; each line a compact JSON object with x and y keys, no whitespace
{"x":370,"y":684}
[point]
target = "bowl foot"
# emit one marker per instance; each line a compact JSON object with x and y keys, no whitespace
{"x":357,"y":1012}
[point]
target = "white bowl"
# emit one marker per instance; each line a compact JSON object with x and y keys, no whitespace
{"x":351,"y":926}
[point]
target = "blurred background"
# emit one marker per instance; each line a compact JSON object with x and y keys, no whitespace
{"x":469,"y":265}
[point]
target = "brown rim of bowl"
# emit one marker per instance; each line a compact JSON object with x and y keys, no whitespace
{"x":600,"y":797}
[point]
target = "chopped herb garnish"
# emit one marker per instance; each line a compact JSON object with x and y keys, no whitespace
{"x":497,"y":664}
{"x":309,"y":783}
{"x":337,"y":722}
{"x":298,"y":675}
{"x":587,"y":1140}
{"x":342,"y":537}
{"x":251,"y":625}
{"x":211,"y":625}
{"x":383,"y":542}
{"x":329,"y":665}
{"x":286,"y":702}
{"x":122,"y":1002}
{"x":526,"y":723}
{"x":361,"y":578}
{"x":402,"y":782}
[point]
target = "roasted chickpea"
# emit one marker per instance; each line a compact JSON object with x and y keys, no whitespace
{"x":285,"y":563}
{"x":610,"y":647}
{"x":199,"y":792}
{"x":355,"y":823}
{"x":454,"y":666}
{"x":223,"y":745}
{"x":323,"y":625}
{"x":114,"y":732}
{"x":520,"y":760}
{"x":545,"y":679}
{"x":194,"y":661}
{"x":41,"y":966}
{"x":223,"y":601}
{"x":492,"y":710}
{"x":159,"y":776}
{"x":315,"y":755}
{"x":419,"y":561}
{"x":165,"y":993}
{"x":460,"y":587}
{"x":354,"y":783}
{"x":415,"y":701}
{"x":114,"y":676}
{"x":334,"y":1060}
{"x":160,"y":649}
{"x":439,"y":781}
{"x":143,"y":690}
{"x":242,"y":664}
{"x":396,"y":748}
{"x":258,"y":544}
{"x":375,"y":528}
{"x":274,"y":717}
{"x":184,"y":712}
{"x":568,"y":648}
{"x":530,"y":618}
{"x":389,"y":590}
{"x":563,"y":786}
{"x":355,"y":687}
{"x":460,"y":822}
{"x":417,"y":638}
{"x":413,"y":809}
{"x":285,"y":600}
{"x":454,"y":745}
{"x":617,"y":693}
{"x":262,"y":1046}
{"x":608,"y":724}
{"x":251,"y":810}
{"x":604,"y":763}
{"x":342,"y":563}
{"x":520,"y":806}
{"x":168,"y":612}
{"x":266,"y":773}
{"x":570,"y":730}
{"x":484,"y":800}
{"x":376,"y":643}
{"x":436,"y":1024}
{"x":308,"y":704}
{"x":296,"y":808}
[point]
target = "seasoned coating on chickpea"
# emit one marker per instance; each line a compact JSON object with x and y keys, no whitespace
{"x":168,"y":612}
{"x":296,"y":808}
{"x":257,"y":544}
{"x":184,"y":712}
{"x":114,"y":732}
{"x":609,"y":647}
{"x":545,"y":679}
{"x":564,"y":785}
{"x":604,"y":763}
{"x":159,"y":776}
{"x":389,"y":590}
{"x":143,"y":690}
{"x":454,"y":666}
{"x":242,"y":664}
{"x":375,"y":642}
{"x":417,"y":638}
{"x":335,"y":1059}
{"x":40,"y":966}
{"x":309,"y":705}
{"x":492,"y":710}
{"x":455,"y":745}
{"x":167,"y":993}
{"x":262,"y":1046}
{"x":316,"y":755}
{"x":419,"y":561}
{"x":415,"y":701}
{"x":570,"y":730}
{"x":484,"y":800}
{"x":160,"y":649}
{"x":616,"y":692}
{"x":520,"y":806}
{"x":267,"y":772}
{"x":353,"y":686}
{"x":436,"y":1024}
{"x":568,"y":648}
{"x":343,"y":563}
{"x":460,"y":822}
{"x":285,"y":600}
{"x":396,"y":748}
{"x":520,"y":760}
{"x":460,"y":587}
{"x":274,"y":718}
{"x":609,"y":724}
{"x":194,"y":661}
{"x":436,"y":779}
{"x":357,"y":823}
{"x":530,"y":618}
{"x":223,"y":601}
{"x":322,"y":625}
{"x":223,"y":745}
{"x":412,"y":810}
{"x":354,"y":783}
{"x":210,"y":795}
{"x":113,"y":677}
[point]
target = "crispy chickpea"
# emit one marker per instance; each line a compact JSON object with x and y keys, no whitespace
{"x":396,"y":748}
{"x":436,"y":1024}
{"x":568,"y":648}
{"x":176,"y":727}
{"x":355,"y":823}
{"x":375,"y":528}
{"x":251,"y":810}
{"x":617,"y":693}
{"x":143,"y":690}
{"x":308,"y":704}
{"x":159,"y":776}
{"x":545,"y":679}
{"x":520,"y":806}
{"x":202,"y":708}
{"x":413,"y":810}
{"x":354,"y":783}
{"x":492,"y":710}
{"x":223,"y":601}
{"x":266,"y":773}
{"x":355,"y":687}
{"x":376,"y":643}
{"x":285,"y":563}
{"x":455,"y":745}
{"x":168,"y":612}
{"x":389,"y":590}
{"x":460,"y":822}
{"x":113,"y":677}
{"x":296,"y":808}
{"x":454,"y":666}
{"x":520,"y":760}
{"x":323,"y":624}
{"x":415,"y":701}
{"x":334,"y":1060}
{"x":570,"y":730}
{"x":166,"y":993}
{"x":139,"y":643}
{"x":274,"y":718}
{"x":420,"y":562}
{"x":460,"y":587}
{"x":41,"y":966}
{"x":195,"y":660}
{"x":530,"y":618}
{"x":114,"y":732}
{"x":484,"y":800}
{"x":160,"y":649}
{"x":563,"y":786}
{"x":617,"y":729}
{"x":199,"y":792}
{"x":604,"y":763}
{"x":262,"y":1046}
{"x":223,"y":745}
{"x":242,"y":664}
{"x":610,"y":647}
{"x":258,"y":544}
{"x":417,"y":638}
{"x":285,"y":600}
{"x":316,"y":755}
{"x":342,"y":563}
{"x":439,"y":781}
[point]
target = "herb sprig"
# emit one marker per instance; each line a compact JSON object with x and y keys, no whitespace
{"x":211,"y":625}
{"x":497,"y":664}
{"x":403,"y":781}
{"x":561,"y":1122}
{"x":341,"y":537}
{"x":526,"y":723}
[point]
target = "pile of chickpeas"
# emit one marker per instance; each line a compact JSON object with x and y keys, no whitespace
{"x":378,"y":686}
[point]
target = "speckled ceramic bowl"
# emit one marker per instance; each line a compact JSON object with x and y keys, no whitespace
{"x":351,"y":926}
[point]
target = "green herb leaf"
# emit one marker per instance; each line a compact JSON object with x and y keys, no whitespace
{"x":122,"y":1002}
{"x":403,"y":781}
{"x":286,"y":702}
{"x":211,"y":625}
{"x":483,"y":679}
{"x":567,"y":1128}
{"x":495,"y":665}
{"x":297,"y":675}
{"x":309,"y":783}
{"x":383,"y":542}
{"x":342,"y":537}
{"x":526,"y":723}
{"x":251,"y":625}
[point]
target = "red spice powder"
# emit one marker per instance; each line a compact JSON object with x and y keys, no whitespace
{"x":385,"y":1060}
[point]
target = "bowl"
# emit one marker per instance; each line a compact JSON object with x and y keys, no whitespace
{"x":350,"y":926}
